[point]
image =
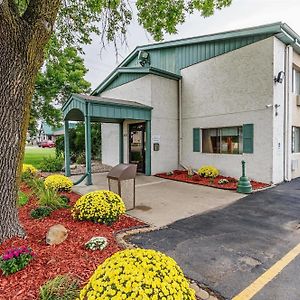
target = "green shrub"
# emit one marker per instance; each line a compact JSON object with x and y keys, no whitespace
{"x":208,"y":171}
{"x":65,"y":199}
{"x":61,"y":287}
{"x":50,"y":198}
{"x":22,"y":199}
{"x":77,"y":142}
{"x":80,"y":159}
{"x":46,"y":196}
{"x":99,"y":206}
{"x":52,"y":164}
{"x":41,"y":212}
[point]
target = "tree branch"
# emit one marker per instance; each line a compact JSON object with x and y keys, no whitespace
{"x":44,"y":11}
{"x":8,"y":11}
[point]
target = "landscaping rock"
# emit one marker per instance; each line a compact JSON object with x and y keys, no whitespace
{"x":56,"y":234}
{"x":73,"y":167}
{"x":200,"y":293}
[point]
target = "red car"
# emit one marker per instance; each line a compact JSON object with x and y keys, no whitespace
{"x":47,"y":144}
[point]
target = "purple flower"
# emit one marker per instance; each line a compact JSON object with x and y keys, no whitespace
{"x":16,"y":252}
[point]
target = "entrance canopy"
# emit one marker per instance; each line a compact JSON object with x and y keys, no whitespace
{"x":105,"y":110}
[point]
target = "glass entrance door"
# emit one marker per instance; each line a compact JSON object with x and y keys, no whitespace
{"x":137,"y":145}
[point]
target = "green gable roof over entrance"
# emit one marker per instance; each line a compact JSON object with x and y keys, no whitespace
{"x":170,"y":57}
{"x":102,"y":109}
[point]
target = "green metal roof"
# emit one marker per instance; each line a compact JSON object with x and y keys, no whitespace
{"x":168,"y":58}
{"x":124,"y":75}
{"x":106,"y":110}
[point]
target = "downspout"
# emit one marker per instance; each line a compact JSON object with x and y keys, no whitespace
{"x":287,"y":128}
{"x":180,"y":124}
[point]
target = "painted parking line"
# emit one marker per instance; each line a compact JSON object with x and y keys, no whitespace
{"x":266,"y":277}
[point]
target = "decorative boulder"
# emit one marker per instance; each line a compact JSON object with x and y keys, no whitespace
{"x":56,"y":234}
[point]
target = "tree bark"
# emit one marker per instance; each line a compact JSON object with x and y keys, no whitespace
{"x":22,"y":42}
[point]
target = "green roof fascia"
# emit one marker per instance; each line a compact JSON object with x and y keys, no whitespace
{"x":290,"y":37}
{"x":141,"y":70}
{"x":69,"y":100}
{"x":279,"y":29}
{"x":145,"y":107}
{"x":151,"y":70}
{"x":263,"y":29}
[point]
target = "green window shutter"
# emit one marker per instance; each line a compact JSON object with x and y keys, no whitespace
{"x":196,"y":139}
{"x":248,"y":137}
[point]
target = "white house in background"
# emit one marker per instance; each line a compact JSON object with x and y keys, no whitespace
{"x":216,"y":99}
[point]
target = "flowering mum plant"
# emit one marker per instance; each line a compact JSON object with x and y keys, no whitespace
{"x":15,"y":259}
{"x":96,"y":243}
{"x":99,"y":206}
{"x":138,"y":274}
{"x":208,"y":171}
{"x":28,"y":172}
{"x":58,"y":183}
{"x":29,"y":168}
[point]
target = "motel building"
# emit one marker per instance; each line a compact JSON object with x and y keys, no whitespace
{"x":210,"y":100}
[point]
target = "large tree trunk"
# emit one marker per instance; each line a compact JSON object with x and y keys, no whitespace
{"x":22,"y":41}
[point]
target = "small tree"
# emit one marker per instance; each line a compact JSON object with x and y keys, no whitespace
{"x":26,"y":27}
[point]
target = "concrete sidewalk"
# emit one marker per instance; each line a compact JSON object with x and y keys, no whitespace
{"x":160,"y":202}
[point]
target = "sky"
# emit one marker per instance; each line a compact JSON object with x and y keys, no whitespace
{"x":241,"y":14}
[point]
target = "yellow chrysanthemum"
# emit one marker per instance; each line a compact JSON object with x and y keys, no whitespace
{"x":59,"y":183}
{"x":27,"y":168}
{"x":99,"y":206}
{"x":138,"y":274}
{"x":208,"y":171}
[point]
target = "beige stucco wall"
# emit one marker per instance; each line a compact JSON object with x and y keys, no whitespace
{"x":110,"y":143}
{"x":162,"y":95}
{"x":232,"y":90}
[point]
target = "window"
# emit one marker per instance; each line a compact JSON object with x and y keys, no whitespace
{"x":296,"y":81}
{"x":295,"y":139}
{"x":228,"y":140}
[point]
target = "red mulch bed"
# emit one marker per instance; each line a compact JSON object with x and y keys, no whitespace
{"x":182,"y":176}
{"x":70,"y":257}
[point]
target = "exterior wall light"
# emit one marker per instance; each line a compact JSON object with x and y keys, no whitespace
{"x":279,"y":78}
{"x":143,"y":58}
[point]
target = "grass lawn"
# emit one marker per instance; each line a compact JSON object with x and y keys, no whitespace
{"x":34,"y":155}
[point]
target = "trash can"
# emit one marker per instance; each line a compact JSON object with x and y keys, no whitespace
{"x":121,"y":180}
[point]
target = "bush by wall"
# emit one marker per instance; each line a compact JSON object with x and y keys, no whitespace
{"x":100,"y":206}
{"x":138,"y":274}
{"x":52,"y":164}
{"x":208,"y":171}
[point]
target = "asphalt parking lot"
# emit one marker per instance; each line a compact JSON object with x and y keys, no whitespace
{"x":229,"y":248}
